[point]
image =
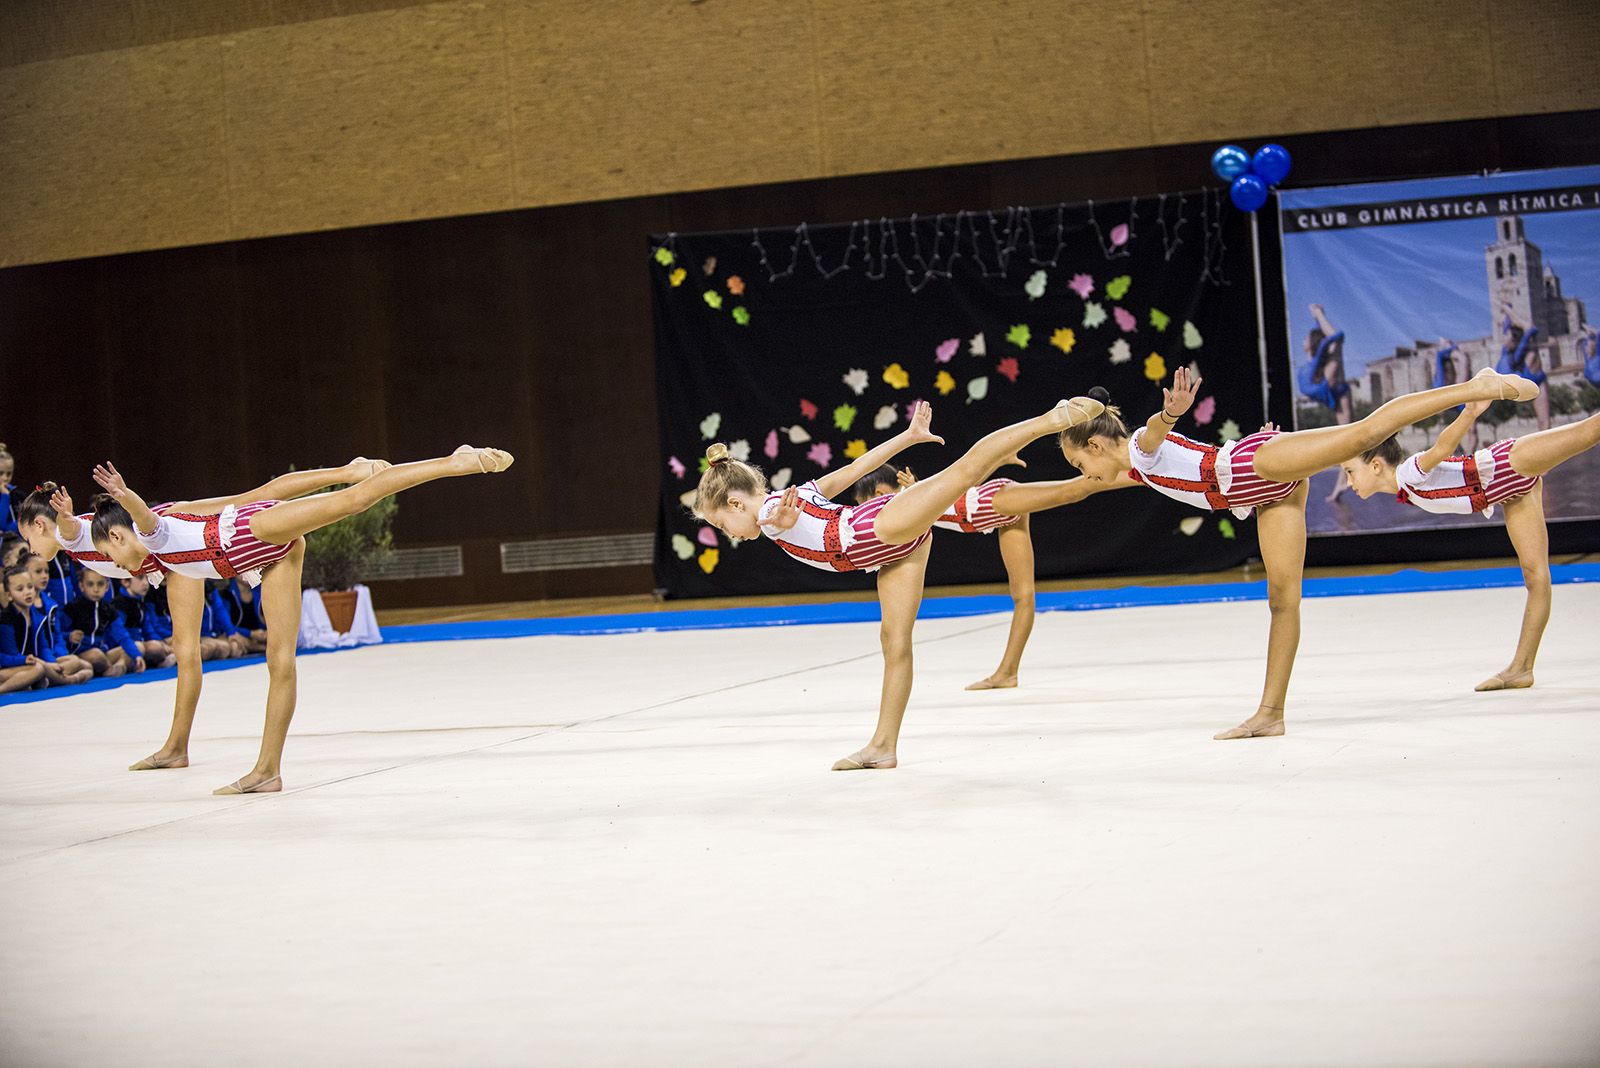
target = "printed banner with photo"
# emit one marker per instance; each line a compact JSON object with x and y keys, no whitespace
{"x":1401,"y":286}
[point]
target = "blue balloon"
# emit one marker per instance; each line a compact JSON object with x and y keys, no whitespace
{"x":1248,"y":192}
{"x":1271,"y":164}
{"x":1229,"y":162}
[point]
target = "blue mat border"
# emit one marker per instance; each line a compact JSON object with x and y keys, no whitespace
{"x":1406,"y":581}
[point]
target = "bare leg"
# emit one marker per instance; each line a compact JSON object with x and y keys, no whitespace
{"x":280,"y":599}
{"x":186,"y":602}
{"x":1282,"y":530}
{"x":289,"y":486}
{"x":23,"y":677}
{"x":1016,"y":549}
{"x":1025,"y":498}
{"x":1540,"y":453}
{"x":96,"y":659}
{"x":915,"y":509}
{"x":899,"y":597}
{"x":1299,"y":454}
{"x":283,"y":523}
{"x":118,"y":662}
{"x":1531,"y":539}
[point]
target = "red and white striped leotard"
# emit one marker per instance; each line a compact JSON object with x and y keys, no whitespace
{"x":834,"y":537}
{"x":82,"y":550}
{"x":214,"y":546}
{"x":1462,"y":485}
{"x":1207,"y":476}
{"x":974,"y":513}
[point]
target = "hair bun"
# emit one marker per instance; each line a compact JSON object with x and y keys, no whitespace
{"x":1100,"y":393}
{"x":46,"y":488}
{"x":100,"y":498}
{"x":716,"y":453}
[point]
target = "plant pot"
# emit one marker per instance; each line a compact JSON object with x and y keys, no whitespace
{"x":341,"y":607}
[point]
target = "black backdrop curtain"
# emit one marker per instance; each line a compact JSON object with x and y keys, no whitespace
{"x":802,"y":346}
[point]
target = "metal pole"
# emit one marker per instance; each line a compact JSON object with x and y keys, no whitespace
{"x":1261,"y":322}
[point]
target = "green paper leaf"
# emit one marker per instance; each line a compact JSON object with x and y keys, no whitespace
{"x":1117,"y":288}
{"x":1018,"y":335}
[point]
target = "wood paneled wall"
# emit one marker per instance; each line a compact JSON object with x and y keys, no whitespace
{"x":140,"y":124}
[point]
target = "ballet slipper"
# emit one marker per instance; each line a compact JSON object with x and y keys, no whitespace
{"x":1271,"y":730}
{"x":1075,"y":411}
{"x":1510,"y":387}
{"x":991,"y":683}
{"x":1502,"y":680}
{"x":373,"y":466}
{"x":267,"y":786}
{"x":150,"y":763}
{"x":850,"y":763}
{"x":490,"y":461}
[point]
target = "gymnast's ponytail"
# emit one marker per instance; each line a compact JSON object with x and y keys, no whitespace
{"x":724,"y":475}
{"x":1108,"y":424}
{"x":36,"y":505}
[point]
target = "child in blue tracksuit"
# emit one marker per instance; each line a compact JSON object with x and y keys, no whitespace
{"x":30,"y":634}
{"x":48,"y":601}
{"x":146,"y":621}
{"x":217,"y":629}
{"x":244,"y":608}
{"x":97,"y":626}
{"x":9,"y":499}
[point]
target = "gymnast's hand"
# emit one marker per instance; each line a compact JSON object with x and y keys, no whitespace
{"x":110,"y":480}
{"x":61,"y":501}
{"x":787,"y":512}
{"x":1180,"y":398}
{"x":905,"y":478}
{"x":921,"y":420}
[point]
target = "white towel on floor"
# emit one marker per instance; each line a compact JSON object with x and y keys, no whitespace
{"x":317,"y":633}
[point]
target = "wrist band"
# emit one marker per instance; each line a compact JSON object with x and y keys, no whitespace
{"x":1169,"y":418}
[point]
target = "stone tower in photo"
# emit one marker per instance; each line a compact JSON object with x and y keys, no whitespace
{"x":1519,"y":278}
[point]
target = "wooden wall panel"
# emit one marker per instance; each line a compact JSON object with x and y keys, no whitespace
{"x":651,"y":96}
{"x":906,"y":83}
{"x":390,"y":116}
{"x":117,"y":150}
{"x":338,"y":113}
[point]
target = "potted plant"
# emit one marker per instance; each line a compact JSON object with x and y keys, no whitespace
{"x":338,"y":555}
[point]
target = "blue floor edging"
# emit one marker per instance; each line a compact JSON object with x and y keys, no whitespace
{"x":867,"y":612}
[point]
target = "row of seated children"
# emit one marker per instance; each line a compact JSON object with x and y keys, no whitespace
{"x":62,"y":625}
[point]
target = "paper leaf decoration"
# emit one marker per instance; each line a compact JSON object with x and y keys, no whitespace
{"x":1093,"y":314}
{"x":1009,"y":368}
{"x":677,"y":277}
{"x":1229,"y":431}
{"x":947,"y":349}
{"x":741,"y":315}
{"x":709,"y":559}
{"x":977,"y":346}
{"x":885,"y":418}
{"x":707,"y":537}
{"x":896,"y":376}
{"x":1205,"y":411}
{"x":978,"y":388}
{"x":1159,"y":319}
{"x":675,"y":465}
{"x":735,"y":285}
{"x":1082,"y":285}
{"x":856,"y":378}
{"x":799,"y":435}
{"x":1117,"y":288}
{"x":781,"y":478}
{"x":770,"y":448}
{"x":807,"y":409}
{"x":1121,"y":352}
{"x":1019,"y":335}
{"x":710,"y":424}
{"x":1225,"y":525}
{"x":855,"y":447}
{"x":1155,"y":368}
{"x":740,"y":450}
{"x":844,"y":416}
{"x":1191,"y":525}
{"x":1125,"y":320}
{"x":1064,"y":339}
{"x":682,"y":547}
{"x":713,"y":298}
{"x":820,"y":454}
{"x":1034,"y":286}
{"x":1119,"y":235}
{"x":945,"y":383}
{"x":1191,"y":336}
{"x":709,"y":267}
{"x":664,"y":256}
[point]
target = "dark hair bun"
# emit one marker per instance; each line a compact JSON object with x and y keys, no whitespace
{"x":1101,"y":394}
{"x":100,"y":499}
{"x":47,"y":488}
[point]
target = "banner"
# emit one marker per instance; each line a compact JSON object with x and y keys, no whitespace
{"x":1401,"y":286}
{"x":802,"y":347}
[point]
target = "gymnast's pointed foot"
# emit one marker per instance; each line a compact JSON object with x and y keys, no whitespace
{"x":868,"y":759}
{"x":1506,"y":387}
{"x":362,"y":468}
{"x":1506,"y":680}
{"x":1264,"y":724}
{"x":994,"y":682}
{"x":161,"y":760}
{"x":253,"y":783}
{"x":1074,"y":412}
{"x":483,"y":461}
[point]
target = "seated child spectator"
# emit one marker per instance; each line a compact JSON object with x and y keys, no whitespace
{"x":30,"y":634}
{"x":11,"y":549}
{"x":147,"y":624}
{"x":217,"y":632}
{"x":97,"y":627}
{"x":8,"y":499}
{"x":48,"y":601}
{"x":244,"y":608}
